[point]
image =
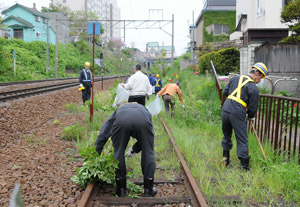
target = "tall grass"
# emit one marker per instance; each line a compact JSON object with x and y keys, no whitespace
{"x":198,"y":133}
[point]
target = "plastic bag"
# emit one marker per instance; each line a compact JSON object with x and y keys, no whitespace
{"x":153,"y":89}
{"x":155,"y":107}
{"x":122,"y":96}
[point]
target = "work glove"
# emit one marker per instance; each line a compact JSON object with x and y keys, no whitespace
{"x":251,"y":119}
{"x":130,"y":153}
{"x":183,"y":106}
{"x":80,"y":85}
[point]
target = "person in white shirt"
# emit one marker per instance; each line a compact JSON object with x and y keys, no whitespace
{"x":139,"y":86}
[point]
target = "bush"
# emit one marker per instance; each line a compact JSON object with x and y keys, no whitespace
{"x":225,"y":61}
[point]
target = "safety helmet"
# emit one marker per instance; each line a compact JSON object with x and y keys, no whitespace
{"x":157,"y":75}
{"x":261,"y":67}
{"x":87,"y":64}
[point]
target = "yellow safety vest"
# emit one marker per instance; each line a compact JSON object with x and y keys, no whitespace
{"x":157,"y":84}
{"x":238,"y":90}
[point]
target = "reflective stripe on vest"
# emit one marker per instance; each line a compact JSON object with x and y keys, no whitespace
{"x":86,"y":78}
{"x":238,"y":90}
{"x":157,"y":84}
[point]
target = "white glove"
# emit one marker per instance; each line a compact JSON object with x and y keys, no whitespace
{"x":251,"y":119}
{"x":80,"y":85}
{"x":157,"y":96}
{"x":130,"y":153}
{"x":183,"y":106}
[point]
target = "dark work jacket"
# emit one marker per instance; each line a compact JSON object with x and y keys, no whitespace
{"x":132,"y":112}
{"x":85,"y":80}
{"x":249,"y":94}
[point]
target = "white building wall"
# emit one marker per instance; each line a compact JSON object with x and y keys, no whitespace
{"x":101,"y":8}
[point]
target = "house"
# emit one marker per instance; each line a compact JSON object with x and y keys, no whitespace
{"x":28,"y":24}
{"x":257,"y":22}
{"x":152,"y":49}
{"x":215,"y":22}
{"x":60,"y":25}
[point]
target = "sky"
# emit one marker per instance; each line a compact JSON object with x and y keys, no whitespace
{"x":143,"y":10}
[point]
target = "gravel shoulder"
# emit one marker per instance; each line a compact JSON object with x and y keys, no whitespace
{"x":33,"y":153}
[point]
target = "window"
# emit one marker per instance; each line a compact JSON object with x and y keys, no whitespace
{"x":45,"y":21}
{"x":18,"y":33}
{"x":38,"y":35}
{"x":221,"y":29}
{"x":64,"y":1}
{"x":37,"y":18}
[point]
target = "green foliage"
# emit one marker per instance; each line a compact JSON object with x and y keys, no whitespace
{"x":218,"y":17}
{"x":291,"y":15}
{"x":283,"y":93}
{"x":225,"y":61}
{"x":73,"y":132}
{"x":96,"y":168}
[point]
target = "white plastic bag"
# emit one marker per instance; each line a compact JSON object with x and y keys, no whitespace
{"x":155,"y":107}
{"x":153,"y":89}
{"x":122,"y":96}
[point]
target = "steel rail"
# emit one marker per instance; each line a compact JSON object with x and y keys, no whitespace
{"x":11,"y":95}
{"x":33,"y":81}
{"x":199,"y":198}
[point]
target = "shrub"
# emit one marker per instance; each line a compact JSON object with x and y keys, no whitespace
{"x":225,"y":61}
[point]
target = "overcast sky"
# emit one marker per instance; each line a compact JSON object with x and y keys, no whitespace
{"x":141,"y":10}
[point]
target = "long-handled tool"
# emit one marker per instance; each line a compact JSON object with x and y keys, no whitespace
{"x":260,"y":146}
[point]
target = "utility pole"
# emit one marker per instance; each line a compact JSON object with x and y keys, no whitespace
{"x":47,"y":50}
{"x":147,"y":58}
{"x":56,"y":51}
{"x":193,"y":42}
{"x":172,"y":41}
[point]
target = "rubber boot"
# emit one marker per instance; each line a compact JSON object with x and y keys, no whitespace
{"x":149,"y":190}
{"x":226,"y":157}
{"x":245,"y":163}
{"x":121,"y":187}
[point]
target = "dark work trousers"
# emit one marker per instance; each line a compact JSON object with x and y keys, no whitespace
{"x":168,"y":100}
{"x":138,"y":99}
{"x":140,"y":127}
{"x":238,"y":124}
{"x":141,"y":100}
{"x":86,"y":93}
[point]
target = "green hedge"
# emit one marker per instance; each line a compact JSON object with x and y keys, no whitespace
{"x":225,"y":61}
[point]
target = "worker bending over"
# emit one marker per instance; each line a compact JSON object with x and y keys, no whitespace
{"x":130,"y":119}
{"x":168,"y":95}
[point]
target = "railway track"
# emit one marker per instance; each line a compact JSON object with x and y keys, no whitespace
{"x":187,"y":192}
{"x":23,"y":93}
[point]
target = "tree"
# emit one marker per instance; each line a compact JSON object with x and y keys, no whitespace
{"x":291,"y":15}
{"x":57,"y":8}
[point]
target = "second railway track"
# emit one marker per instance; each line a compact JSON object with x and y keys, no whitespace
{"x":23,"y":93}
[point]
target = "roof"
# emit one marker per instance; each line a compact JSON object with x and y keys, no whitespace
{"x":221,"y":3}
{"x":24,"y":22}
{"x":153,"y":44}
{"x":32,"y":11}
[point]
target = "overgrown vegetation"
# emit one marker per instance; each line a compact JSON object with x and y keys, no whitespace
{"x":218,"y":17}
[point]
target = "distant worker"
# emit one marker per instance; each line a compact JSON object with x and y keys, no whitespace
{"x":130,"y":119}
{"x":158,"y":84}
{"x":168,"y":95}
{"x":139,"y":86}
{"x":242,"y":101}
{"x":85,"y":79}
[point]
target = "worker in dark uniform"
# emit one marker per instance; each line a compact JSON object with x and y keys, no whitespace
{"x":85,"y":79}
{"x":130,"y":119}
{"x":158,"y":85}
{"x":242,"y":101}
